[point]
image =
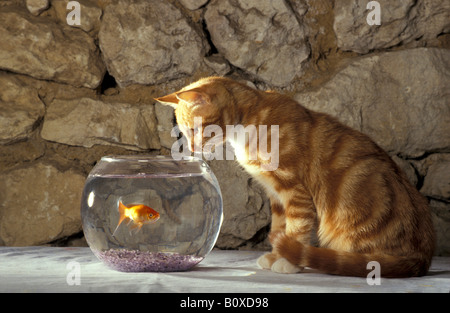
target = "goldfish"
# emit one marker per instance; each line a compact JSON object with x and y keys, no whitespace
{"x":138,"y":214}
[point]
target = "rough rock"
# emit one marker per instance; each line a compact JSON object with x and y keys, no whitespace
{"x":86,"y":122}
{"x":441,"y":222}
{"x":47,"y":50}
{"x":437,"y":180}
{"x":20,"y":110}
{"x":407,"y":168}
{"x":218,"y":64}
{"x":39,"y":204}
{"x":263,"y":38}
{"x":37,"y":6}
{"x":148,"y":42}
{"x":193,"y":4}
{"x":401,"y":22}
{"x":246,"y":208}
{"x":165,"y":117}
{"x":400,"y":99}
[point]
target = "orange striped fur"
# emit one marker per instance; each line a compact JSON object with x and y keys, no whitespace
{"x":329,"y":177}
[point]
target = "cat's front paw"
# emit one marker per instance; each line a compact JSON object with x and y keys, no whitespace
{"x":283,"y":266}
{"x":265,"y":261}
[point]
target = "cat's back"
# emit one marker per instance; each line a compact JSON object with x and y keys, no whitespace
{"x":355,"y":183}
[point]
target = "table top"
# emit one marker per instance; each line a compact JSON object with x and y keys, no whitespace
{"x":50,"y":269}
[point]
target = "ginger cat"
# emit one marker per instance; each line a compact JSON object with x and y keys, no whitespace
{"x":329,"y":176}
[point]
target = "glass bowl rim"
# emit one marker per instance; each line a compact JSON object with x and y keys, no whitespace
{"x":147,"y":158}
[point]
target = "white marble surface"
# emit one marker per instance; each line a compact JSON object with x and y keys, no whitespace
{"x":46,"y":269}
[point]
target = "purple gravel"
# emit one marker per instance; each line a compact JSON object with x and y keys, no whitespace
{"x":138,"y":261}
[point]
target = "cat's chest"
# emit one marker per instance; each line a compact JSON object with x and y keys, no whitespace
{"x":263,"y":178}
{"x":252,"y":167}
{"x":239,"y":149}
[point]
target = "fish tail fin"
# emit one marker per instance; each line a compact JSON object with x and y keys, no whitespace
{"x":122,"y":216}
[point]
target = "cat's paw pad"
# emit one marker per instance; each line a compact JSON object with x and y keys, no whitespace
{"x":283,"y":266}
{"x":265,"y":261}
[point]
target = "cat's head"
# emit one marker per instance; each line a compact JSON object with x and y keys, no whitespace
{"x":208,"y":101}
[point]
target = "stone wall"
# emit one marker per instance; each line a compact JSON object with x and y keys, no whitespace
{"x":70,"y":94}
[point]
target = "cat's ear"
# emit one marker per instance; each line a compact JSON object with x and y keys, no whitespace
{"x":194,"y":97}
{"x":171,"y":100}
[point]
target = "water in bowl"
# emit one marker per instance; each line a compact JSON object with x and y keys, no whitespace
{"x":186,"y":196}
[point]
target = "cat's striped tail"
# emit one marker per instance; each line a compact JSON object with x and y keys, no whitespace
{"x":349,"y":263}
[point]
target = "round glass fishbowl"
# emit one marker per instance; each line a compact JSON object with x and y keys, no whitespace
{"x":151,"y":214}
